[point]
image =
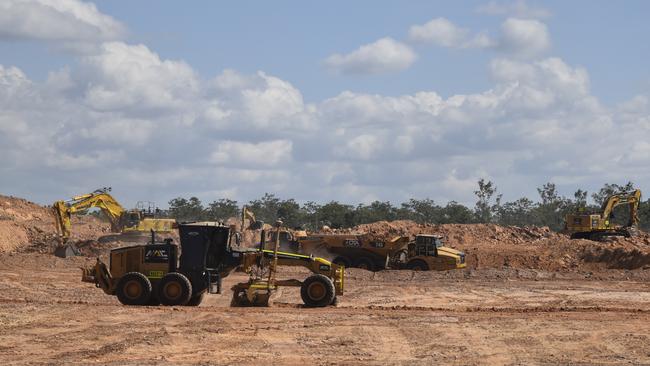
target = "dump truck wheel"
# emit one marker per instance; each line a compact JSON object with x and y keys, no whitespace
{"x":134,"y":288}
{"x":317,"y":291}
{"x":174,"y":289}
{"x":196,"y":299}
{"x":342,"y":261}
{"x":365,"y":263}
{"x":417,"y":265}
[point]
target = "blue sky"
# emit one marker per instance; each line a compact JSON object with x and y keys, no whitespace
{"x":290,"y":39}
{"x":517,"y":92}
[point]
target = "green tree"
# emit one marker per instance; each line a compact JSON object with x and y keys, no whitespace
{"x":456,"y":213}
{"x":184,"y":210}
{"x":517,"y":213}
{"x":552,"y":208}
{"x":265,"y":208}
{"x":609,"y":189}
{"x":222,"y":209}
{"x":290,"y":213}
{"x":336,"y":215}
{"x":375,"y":211}
{"x":484,"y":208}
{"x":421,"y":211}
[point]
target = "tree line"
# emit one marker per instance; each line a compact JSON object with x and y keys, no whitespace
{"x":548,"y":210}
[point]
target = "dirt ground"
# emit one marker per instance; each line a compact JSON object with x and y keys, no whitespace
{"x":527,"y":296}
{"x":396,"y":317}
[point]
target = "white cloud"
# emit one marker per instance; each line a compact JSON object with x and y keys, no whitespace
{"x":132,"y":76}
{"x":262,"y":154}
{"x":154,"y":129}
{"x":518,"y":8}
{"x":381,"y":56}
{"x":442,"y":32}
{"x":56,"y":20}
{"x":524,"y":37}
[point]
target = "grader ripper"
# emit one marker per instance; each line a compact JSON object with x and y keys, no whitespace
{"x":164,"y":273}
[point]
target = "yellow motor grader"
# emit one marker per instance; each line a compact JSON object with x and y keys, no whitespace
{"x":169,"y":274}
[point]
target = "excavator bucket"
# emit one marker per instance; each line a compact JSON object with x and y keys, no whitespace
{"x":66,"y":251}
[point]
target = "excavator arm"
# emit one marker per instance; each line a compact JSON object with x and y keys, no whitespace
{"x":63,"y":210}
{"x":626,"y":198}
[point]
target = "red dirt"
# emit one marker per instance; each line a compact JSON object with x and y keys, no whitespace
{"x":528,"y":296}
{"x":27,"y":226}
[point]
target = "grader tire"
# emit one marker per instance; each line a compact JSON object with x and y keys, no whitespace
{"x":174,"y":289}
{"x":196,"y":300}
{"x":317,"y":291}
{"x":134,"y":288}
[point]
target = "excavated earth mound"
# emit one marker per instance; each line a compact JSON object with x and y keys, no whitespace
{"x":26,"y":226}
{"x":493,"y":246}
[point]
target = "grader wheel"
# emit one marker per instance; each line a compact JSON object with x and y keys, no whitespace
{"x":317,"y":291}
{"x":174,"y":289}
{"x":134,"y":288}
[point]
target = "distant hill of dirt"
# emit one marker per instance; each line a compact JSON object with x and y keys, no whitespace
{"x":27,"y":226}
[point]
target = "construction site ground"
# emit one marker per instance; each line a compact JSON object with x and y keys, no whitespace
{"x":397,"y":317}
{"x":528,"y":296}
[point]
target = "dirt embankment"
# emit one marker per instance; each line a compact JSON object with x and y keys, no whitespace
{"x":26,"y":226}
{"x":493,"y":246}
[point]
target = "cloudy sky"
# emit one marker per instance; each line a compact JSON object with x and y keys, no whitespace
{"x":349,"y":101}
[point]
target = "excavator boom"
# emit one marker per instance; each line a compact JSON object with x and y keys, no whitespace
{"x":121,"y":219}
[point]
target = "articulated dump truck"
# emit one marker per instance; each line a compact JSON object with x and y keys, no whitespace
{"x":169,"y":274}
{"x":426,"y":252}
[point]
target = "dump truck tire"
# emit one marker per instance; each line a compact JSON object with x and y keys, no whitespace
{"x":342,"y":261}
{"x":134,"y":288}
{"x":317,"y":291}
{"x":174,"y":289}
{"x":196,"y":300}
{"x":417,"y":265}
{"x":365,"y":263}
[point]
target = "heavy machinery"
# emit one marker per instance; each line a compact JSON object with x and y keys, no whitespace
{"x":598,"y":225}
{"x":172,"y":275}
{"x":426,"y":252}
{"x":137,"y":222}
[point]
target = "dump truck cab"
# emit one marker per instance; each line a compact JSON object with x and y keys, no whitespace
{"x":427,"y":252}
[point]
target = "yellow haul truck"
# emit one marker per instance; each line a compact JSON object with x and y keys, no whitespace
{"x":596,"y":226}
{"x":163,"y":272}
{"x":426,"y":252}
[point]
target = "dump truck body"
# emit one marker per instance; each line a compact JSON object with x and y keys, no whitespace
{"x":397,"y":253}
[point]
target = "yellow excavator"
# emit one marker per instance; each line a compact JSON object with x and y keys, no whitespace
{"x":137,"y":221}
{"x":596,"y":226}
